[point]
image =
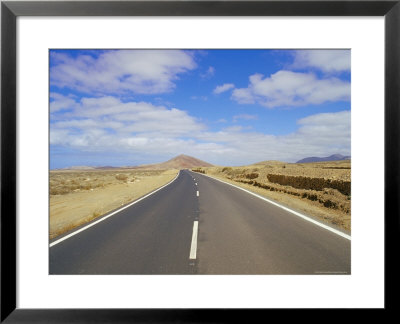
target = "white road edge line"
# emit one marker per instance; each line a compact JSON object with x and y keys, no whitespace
{"x":193,"y":246}
{"x":289,"y":210}
{"x":112,"y":214}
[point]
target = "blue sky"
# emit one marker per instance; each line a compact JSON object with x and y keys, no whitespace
{"x":227,"y":107}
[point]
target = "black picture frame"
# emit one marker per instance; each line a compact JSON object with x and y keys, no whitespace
{"x":10,"y":10}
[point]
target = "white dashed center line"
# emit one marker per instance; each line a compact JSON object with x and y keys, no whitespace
{"x":193,"y":247}
{"x":198,"y":193}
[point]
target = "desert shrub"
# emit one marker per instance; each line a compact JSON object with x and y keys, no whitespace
{"x":226,"y":169}
{"x":236,"y":172}
{"x":252,"y":175}
{"x":96,"y":214}
{"x":312,"y":197}
{"x":121,"y":177}
{"x":330,"y":204}
{"x":59,"y":191}
{"x":198,"y":170}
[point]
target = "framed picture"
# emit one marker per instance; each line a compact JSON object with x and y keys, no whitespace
{"x":171,"y":38}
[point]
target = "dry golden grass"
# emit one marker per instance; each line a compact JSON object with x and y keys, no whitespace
{"x":78,"y":197}
{"x":320,"y":189}
{"x":66,"y":181}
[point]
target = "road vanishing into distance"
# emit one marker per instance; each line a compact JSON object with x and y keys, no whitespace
{"x":199,"y":225}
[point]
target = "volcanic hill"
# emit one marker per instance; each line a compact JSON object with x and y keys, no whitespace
{"x":179,"y":162}
{"x":334,"y":157}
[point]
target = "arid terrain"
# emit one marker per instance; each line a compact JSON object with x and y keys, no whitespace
{"x":319,"y":189}
{"x":79,"y":196}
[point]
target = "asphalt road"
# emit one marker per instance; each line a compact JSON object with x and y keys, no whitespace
{"x":198,"y":225}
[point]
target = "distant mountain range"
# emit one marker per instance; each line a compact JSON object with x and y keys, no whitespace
{"x":334,"y":157}
{"x":179,"y":162}
{"x":79,"y":167}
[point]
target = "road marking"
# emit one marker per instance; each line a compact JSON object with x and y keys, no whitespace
{"x":197,"y":193}
{"x":333,"y":230}
{"x":193,"y":246}
{"x":196,"y":183}
{"x":112,"y":214}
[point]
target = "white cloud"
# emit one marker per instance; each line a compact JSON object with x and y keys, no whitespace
{"x":121,"y":71}
{"x":318,"y":135}
{"x":102,"y":124}
{"x":325,"y":60}
{"x":288,"y":89}
{"x":59,"y":102}
{"x":139,"y":129}
{"x":209,"y":73}
{"x":223,"y":88}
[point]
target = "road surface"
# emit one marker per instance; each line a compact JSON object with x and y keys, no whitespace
{"x":198,"y":225}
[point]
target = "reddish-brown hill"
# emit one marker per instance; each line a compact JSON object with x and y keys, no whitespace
{"x":179,"y":162}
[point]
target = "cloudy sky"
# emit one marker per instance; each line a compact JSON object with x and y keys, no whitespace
{"x":227,"y":107}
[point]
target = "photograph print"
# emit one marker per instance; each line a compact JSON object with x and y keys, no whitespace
{"x":200,"y":161}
